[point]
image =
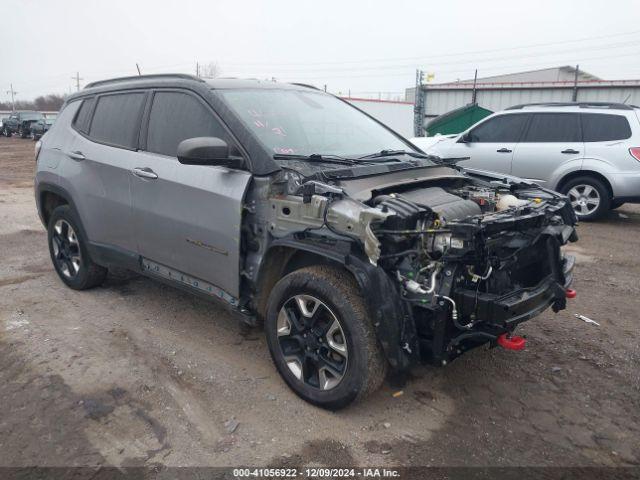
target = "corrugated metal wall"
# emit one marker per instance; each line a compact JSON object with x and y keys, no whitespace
{"x":397,"y":115}
{"x":439,"y":101}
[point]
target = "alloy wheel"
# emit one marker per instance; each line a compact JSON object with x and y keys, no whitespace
{"x":584,"y":199}
{"x":312,"y":342}
{"x":66,"y":248}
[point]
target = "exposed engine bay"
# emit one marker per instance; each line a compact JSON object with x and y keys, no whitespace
{"x":459,"y":261}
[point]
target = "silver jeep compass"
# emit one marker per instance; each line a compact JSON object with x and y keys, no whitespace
{"x":358,"y":253}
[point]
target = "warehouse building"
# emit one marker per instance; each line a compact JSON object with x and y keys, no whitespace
{"x":559,"y":84}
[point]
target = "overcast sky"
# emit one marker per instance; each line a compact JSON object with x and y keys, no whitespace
{"x":362,"y":46}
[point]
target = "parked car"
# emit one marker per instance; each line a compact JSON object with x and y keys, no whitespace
{"x":20,"y":123}
{"x":39,"y":128}
{"x":588,"y":151}
{"x":3,"y":118}
{"x":296,"y":210}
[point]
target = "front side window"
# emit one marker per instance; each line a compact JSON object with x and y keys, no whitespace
{"x":116,"y":119}
{"x":600,"y":127}
{"x":554,"y":127}
{"x":503,"y":128}
{"x":177,"y":116}
{"x":307,"y":122}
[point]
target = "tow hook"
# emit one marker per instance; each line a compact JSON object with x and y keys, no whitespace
{"x":571,"y":293}
{"x":511,"y":342}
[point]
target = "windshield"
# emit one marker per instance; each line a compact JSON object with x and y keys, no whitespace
{"x":306,"y":123}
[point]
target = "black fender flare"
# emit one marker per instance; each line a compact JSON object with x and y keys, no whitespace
{"x":390,"y":315}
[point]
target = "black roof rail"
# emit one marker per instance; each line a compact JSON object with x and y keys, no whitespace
{"x":618,"y":106}
{"x":157,"y":76}
{"x":304,"y":85}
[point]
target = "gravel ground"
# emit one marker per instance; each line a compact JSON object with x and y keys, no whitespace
{"x":137,"y":373}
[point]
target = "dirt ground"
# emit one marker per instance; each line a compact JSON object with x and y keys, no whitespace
{"x":137,"y":373}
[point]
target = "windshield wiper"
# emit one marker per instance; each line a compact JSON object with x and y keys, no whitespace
{"x":392,"y":153}
{"x":315,"y":157}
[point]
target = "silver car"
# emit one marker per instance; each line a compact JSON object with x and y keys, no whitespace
{"x":588,"y":151}
{"x":360,"y":255}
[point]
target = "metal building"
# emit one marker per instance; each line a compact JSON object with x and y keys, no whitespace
{"x":396,"y":115}
{"x":560,"y":84}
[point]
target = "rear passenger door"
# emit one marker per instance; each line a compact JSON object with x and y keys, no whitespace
{"x":490,"y":144}
{"x":551,"y":141}
{"x":100,"y":158}
{"x":187,"y":217}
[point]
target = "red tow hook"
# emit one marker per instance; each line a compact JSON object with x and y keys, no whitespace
{"x":512,"y":343}
{"x":571,"y":293}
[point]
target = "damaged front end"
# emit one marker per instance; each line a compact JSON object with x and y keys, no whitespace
{"x":445,"y":264}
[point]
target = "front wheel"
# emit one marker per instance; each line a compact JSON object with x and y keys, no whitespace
{"x":321,"y":338}
{"x":589,"y":197}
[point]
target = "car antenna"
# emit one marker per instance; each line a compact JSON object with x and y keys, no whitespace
{"x":138,"y":67}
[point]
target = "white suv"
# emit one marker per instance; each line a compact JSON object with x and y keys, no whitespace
{"x":588,"y":151}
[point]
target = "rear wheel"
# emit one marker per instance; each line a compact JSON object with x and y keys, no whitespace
{"x":589,"y":197}
{"x":321,"y":339}
{"x":69,"y":254}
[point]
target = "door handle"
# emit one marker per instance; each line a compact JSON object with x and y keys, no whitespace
{"x":76,"y":155}
{"x":570,"y":150}
{"x":504,"y":150}
{"x":144,"y":172}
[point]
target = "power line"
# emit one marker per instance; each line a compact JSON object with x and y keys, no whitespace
{"x":471,"y":52}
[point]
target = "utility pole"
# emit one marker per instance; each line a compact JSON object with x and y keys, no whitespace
{"x":197,"y":70}
{"x":418,"y":107}
{"x":138,"y":67}
{"x":575,"y":85}
{"x":474,"y":95}
{"x":77,"y":79}
{"x":13,"y":93}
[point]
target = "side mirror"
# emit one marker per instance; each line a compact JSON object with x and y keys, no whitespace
{"x":466,"y":138}
{"x":207,"y":151}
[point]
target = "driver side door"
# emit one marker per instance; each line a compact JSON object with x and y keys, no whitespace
{"x":490,"y":144}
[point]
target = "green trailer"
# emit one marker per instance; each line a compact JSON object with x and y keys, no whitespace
{"x":457,"y":120}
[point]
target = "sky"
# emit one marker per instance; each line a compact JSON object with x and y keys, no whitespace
{"x":366,"y":48}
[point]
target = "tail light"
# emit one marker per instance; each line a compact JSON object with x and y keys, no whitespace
{"x":37,"y":148}
{"x":635,"y":152}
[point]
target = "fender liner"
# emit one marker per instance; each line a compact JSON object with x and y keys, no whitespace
{"x":392,"y":319}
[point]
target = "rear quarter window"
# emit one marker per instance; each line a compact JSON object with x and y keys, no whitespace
{"x":600,"y":127}
{"x":83,"y":117}
{"x":116,"y":119}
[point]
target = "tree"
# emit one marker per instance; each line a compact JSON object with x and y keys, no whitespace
{"x":210,"y":70}
{"x":50,"y":102}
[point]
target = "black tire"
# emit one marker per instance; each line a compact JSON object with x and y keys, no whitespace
{"x":88,"y":273}
{"x":588,"y":212}
{"x":616,"y":204}
{"x":7,"y":133}
{"x":364,"y":367}
{"x":21,"y":133}
{"x":33,"y":136}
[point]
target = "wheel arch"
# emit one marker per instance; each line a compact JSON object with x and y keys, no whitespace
{"x":585,"y":173}
{"x":391,"y":319}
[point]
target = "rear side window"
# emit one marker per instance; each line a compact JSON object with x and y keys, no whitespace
{"x":554,"y":127}
{"x":176,"y":116}
{"x":116,"y":119}
{"x":503,"y":128}
{"x":83,"y":117}
{"x":600,"y":127}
